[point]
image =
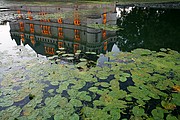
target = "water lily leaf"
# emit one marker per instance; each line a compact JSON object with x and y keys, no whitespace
{"x":114,"y":85}
{"x":83,"y":60}
{"x":93,"y":89}
{"x":27,"y":111}
{"x":103,"y":84}
{"x":140,"y":102}
{"x":75,"y":102}
{"x":62,"y":102}
{"x":79,"y":84}
{"x":123,"y":79}
{"x":61,"y":48}
{"x":65,"y":55}
{"x":176,"y":98}
{"x":168,"y":106}
{"x":115,"y":114}
{"x":74,"y":117}
{"x":63,"y":86}
{"x":176,"y":88}
{"x":125,"y":75}
{"x":170,"y":117}
{"x":93,"y":53}
{"x":118,"y":94}
{"x":157,"y":114}
{"x":142,"y":52}
{"x":70,"y":58}
{"x":102,"y":91}
{"x":138,"y":111}
{"x":51,"y":90}
{"x":163,"y":50}
{"x":83,"y":96}
{"x":58,"y":117}
{"x":72,"y":93}
{"x":78,"y":51}
{"x":54,"y":83}
{"x":98,"y":103}
{"x":6,"y":101}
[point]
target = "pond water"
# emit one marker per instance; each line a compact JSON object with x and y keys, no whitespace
{"x":121,"y":64}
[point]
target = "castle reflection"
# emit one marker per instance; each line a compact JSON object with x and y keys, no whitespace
{"x":46,"y":36}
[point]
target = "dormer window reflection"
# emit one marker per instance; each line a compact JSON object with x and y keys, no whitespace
{"x":60,"y":21}
{"x":77,"y":35}
{"x":46,"y":30}
{"x":49,"y":50}
{"x":29,"y":15}
{"x":60,"y":45}
{"x":105,"y":46}
{"x":21,"y":24}
{"x":104,"y":34}
{"x":31,"y":28}
{"x":60,"y":33}
{"x":32,"y":40}
{"x":76,"y":47}
{"x":22,"y":38}
{"x":104,"y":18}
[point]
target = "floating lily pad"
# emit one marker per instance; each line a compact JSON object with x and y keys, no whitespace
{"x":103,"y":84}
{"x":176,"y":98}
{"x":83,"y":60}
{"x":171,"y":117}
{"x":157,"y":113}
{"x":168,"y":106}
{"x":137,"y":111}
{"x":6,"y":101}
{"x":142,"y":52}
{"x":75,"y":102}
{"x":70,"y":58}
{"x":123,"y":79}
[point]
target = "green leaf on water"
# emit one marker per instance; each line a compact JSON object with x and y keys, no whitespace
{"x":75,"y":102}
{"x":138,"y":111}
{"x":123,"y":79}
{"x":93,"y":89}
{"x":6,"y":101}
{"x":74,"y":117}
{"x":58,"y":117}
{"x":103,"y":84}
{"x":118,"y":94}
{"x":171,"y":117}
{"x":158,"y":114}
{"x":176,"y":98}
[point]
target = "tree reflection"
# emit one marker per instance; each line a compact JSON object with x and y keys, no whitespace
{"x":149,"y":28}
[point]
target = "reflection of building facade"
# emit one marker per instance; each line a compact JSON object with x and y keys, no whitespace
{"x":46,"y":36}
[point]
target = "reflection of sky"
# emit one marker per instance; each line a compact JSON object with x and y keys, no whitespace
{"x":115,"y":48}
{"x":6,"y":43}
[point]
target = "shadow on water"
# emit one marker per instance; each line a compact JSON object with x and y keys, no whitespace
{"x":149,"y":28}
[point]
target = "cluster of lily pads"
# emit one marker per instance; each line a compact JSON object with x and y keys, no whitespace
{"x":82,"y":60}
{"x":140,"y":84}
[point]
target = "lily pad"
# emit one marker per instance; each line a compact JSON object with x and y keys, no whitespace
{"x":171,"y":117}
{"x":138,"y":111}
{"x":123,"y":79}
{"x":75,"y":102}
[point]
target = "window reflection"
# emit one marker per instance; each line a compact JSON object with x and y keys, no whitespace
{"x":46,"y":35}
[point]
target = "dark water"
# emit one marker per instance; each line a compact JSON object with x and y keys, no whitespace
{"x":142,"y":28}
{"x":149,"y":28}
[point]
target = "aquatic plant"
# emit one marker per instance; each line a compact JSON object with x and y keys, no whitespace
{"x":140,"y":84}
